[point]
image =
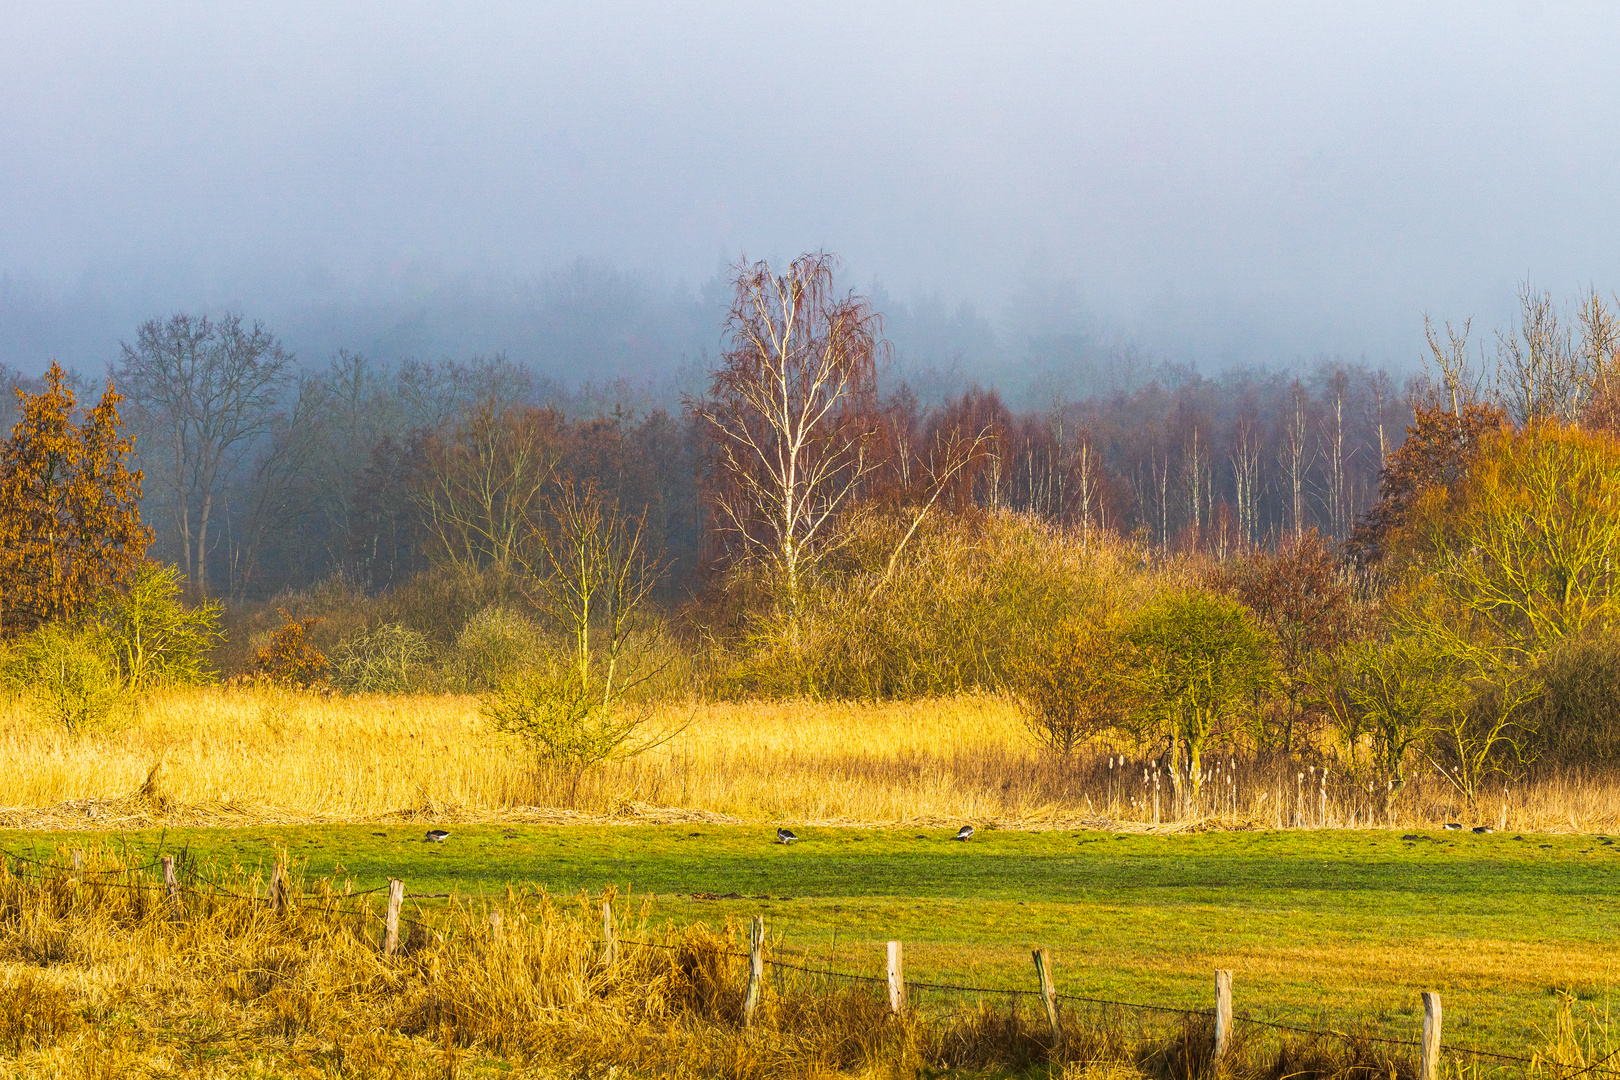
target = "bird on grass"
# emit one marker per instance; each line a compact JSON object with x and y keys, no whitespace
{"x":785,"y":836}
{"x":1453,"y":826}
{"x":965,"y":833}
{"x":1480,"y":830}
{"x":437,"y":836}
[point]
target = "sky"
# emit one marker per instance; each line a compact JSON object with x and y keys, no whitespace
{"x":1222,"y":183}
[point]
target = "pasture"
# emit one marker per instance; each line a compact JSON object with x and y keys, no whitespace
{"x":1322,"y":928}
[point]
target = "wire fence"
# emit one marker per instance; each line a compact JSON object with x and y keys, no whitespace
{"x":215,"y":890}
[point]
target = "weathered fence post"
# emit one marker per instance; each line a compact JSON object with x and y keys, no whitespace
{"x":173,"y":883}
{"x":897,"y":980}
{"x":78,"y":871}
{"x":278,"y":888}
{"x":396,"y":897}
{"x":1043,"y":969}
{"x":1431,"y":1036}
{"x":610,"y":940}
{"x":1223,"y":1012}
{"x":756,"y":967}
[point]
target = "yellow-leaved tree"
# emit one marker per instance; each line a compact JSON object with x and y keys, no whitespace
{"x":70,"y":521}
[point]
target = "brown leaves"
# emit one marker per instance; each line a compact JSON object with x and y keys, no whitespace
{"x":70,"y":524}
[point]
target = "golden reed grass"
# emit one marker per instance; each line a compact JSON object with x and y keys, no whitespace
{"x":235,"y":755}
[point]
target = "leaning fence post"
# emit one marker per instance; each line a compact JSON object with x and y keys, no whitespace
{"x":756,"y":967}
{"x":278,"y":888}
{"x":897,"y":980}
{"x":1043,"y":969}
{"x":1431,"y":1036}
{"x":173,"y":884}
{"x":396,"y":897}
{"x":610,"y":941}
{"x":1223,"y":1012}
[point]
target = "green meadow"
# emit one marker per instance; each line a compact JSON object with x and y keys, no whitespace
{"x":1333,"y":928}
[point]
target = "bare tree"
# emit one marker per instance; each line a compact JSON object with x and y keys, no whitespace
{"x":1331,"y":438}
{"x":790,"y":410}
{"x":1193,"y":461}
{"x":1539,"y":370}
{"x":1293,"y":455}
{"x":488,"y":482}
{"x":203,"y":393}
{"x":1458,"y":383}
{"x":1245,"y":459}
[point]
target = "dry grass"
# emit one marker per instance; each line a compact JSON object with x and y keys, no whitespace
{"x":101,"y":976}
{"x":223,"y":755}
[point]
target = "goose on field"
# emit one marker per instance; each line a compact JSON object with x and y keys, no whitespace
{"x":437,"y":836}
{"x":785,"y":836}
{"x":965,"y":833}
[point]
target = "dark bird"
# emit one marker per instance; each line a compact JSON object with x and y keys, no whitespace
{"x":965,"y":833}
{"x":785,"y":836}
{"x":437,"y":836}
{"x":1454,"y":825}
{"x":1482,"y":829}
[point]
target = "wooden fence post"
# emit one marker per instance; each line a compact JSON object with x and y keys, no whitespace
{"x":396,"y":897}
{"x":173,"y":883}
{"x":756,"y":967}
{"x":610,"y":940}
{"x":278,"y":888}
{"x":1043,"y":969}
{"x":897,"y":980}
{"x":1431,"y":1036}
{"x":1223,"y":1012}
{"x":78,"y":871}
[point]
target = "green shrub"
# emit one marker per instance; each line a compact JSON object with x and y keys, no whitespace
{"x":565,"y":719}
{"x":152,"y":638}
{"x":67,"y":675}
{"x":391,"y":659}
{"x":496,"y":644}
{"x":968,"y":599}
{"x":1577,"y":718}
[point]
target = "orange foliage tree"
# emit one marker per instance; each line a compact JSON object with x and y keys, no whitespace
{"x":70,"y":521}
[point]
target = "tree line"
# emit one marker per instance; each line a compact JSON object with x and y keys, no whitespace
{"x":1277,"y":558}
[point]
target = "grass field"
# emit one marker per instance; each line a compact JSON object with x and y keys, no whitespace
{"x":1340,"y":928}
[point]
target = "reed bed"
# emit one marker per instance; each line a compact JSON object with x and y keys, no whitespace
{"x":238,"y":755}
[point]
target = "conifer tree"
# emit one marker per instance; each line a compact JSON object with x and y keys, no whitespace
{"x":70,"y":521}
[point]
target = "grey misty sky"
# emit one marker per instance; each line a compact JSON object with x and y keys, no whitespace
{"x":1250,"y":181}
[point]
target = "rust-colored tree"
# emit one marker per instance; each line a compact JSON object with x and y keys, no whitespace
{"x":70,"y":521}
{"x":790,"y":410}
{"x":1440,"y":446}
{"x":1299,"y":597}
{"x":290,"y":658}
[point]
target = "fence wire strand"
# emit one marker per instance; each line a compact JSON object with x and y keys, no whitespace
{"x":215,"y":891}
